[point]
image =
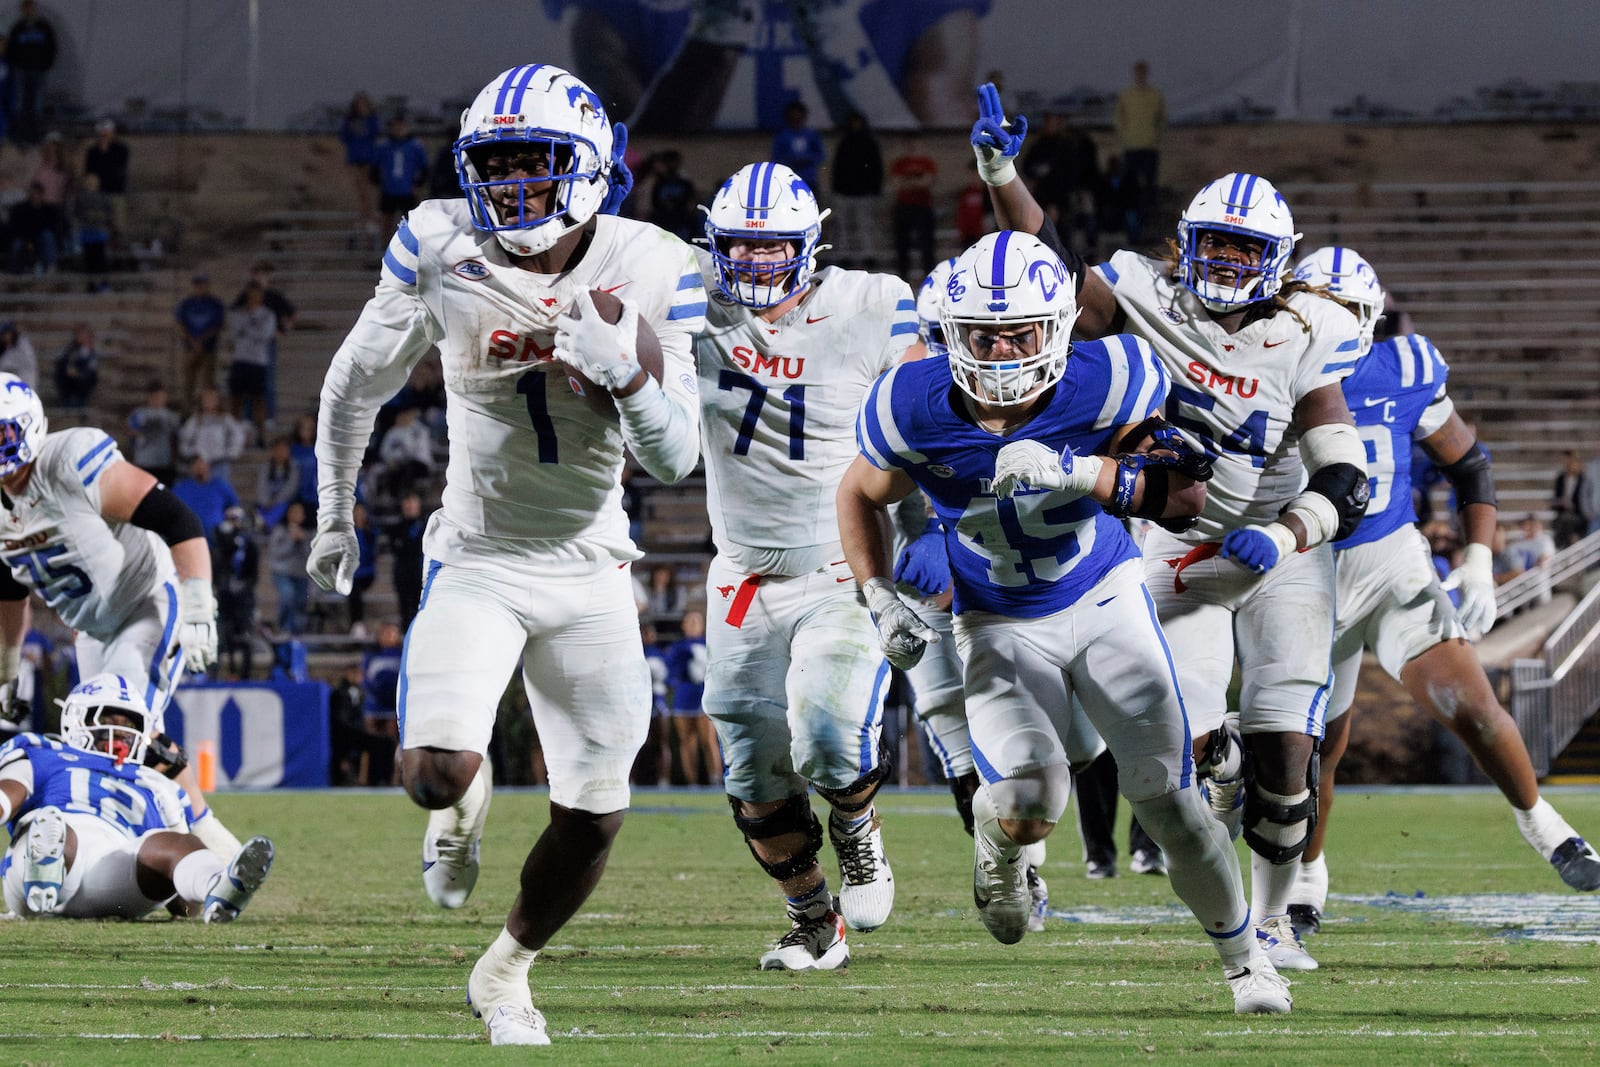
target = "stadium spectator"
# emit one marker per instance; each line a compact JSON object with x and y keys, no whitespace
{"x":406,"y":454}
{"x":857,"y":194}
{"x":1141,"y":119}
{"x":303,"y":448}
{"x":348,"y":757}
{"x":973,"y":218}
{"x":401,"y":166}
{"x":1532,"y":549}
{"x":1063,"y":167}
{"x":200,"y":318}
{"x":17,"y":355}
{"x":33,"y":226}
{"x":208,"y":494}
{"x":380,"y":674}
{"x":913,"y":172}
{"x":92,"y":222}
{"x":107,"y":158}
{"x":796,"y":145}
{"x":653,"y":765}
{"x":698,"y":753}
{"x":153,"y":429}
{"x":77,"y":369}
{"x":277,"y":482}
{"x":358,"y":132}
{"x":253,"y":329}
{"x":673,"y":201}
{"x":53,"y":174}
{"x":1568,"y":499}
{"x":666,"y":595}
{"x":283,"y":310}
{"x":235,"y":569}
{"x":211,"y":434}
{"x":288,"y":547}
{"x":405,"y":548}
{"x":366,"y":568}
{"x":30,"y":53}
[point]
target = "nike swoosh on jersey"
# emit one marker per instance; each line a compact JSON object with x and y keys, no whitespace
{"x":1103,"y":603}
{"x":1274,"y":344}
{"x":1374,"y":401}
{"x":614,"y":288}
{"x":813,"y":321}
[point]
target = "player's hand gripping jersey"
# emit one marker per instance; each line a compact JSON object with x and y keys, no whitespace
{"x":130,"y":797}
{"x":779,"y":406}
{"x":533,"y":472}
{"x":1028,"y":555}
{"x":91,"y":572}
{"x":1235,"y":393}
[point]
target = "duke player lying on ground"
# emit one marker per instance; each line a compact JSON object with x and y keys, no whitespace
{"x":1391,"y":600}
{"x":1007,"y":439}
{"x":96,"y":834}
{"x":1255,"y":363}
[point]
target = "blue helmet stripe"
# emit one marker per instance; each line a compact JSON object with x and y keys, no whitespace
{"x":997,"y":266}
{"x":1333,"y":283}
{"x":505,"y":89}
{"x":522,"y":88}
{"x":514,"y":87}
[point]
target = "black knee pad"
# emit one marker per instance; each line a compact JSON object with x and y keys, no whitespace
{"x":872,"y":781}
{"x":962,"y":788}
{"x":1258,"y":809}
{"x":795,"y":817}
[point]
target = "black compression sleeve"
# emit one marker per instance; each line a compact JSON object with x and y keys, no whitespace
{"x":1472,"y":478}
{"x":1075,"y":264}
{"x":167,"y":517}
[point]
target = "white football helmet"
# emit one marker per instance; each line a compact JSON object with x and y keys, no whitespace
{"x":555,"y":115}
{"x":764,"y":201}
{"x":1006,"y":281}
{"x":22,"y":424}
{"x":85,"y":724}
{"x":1241,"y":204}
{"x":928,"y":299}
{"x":1351,"y":280}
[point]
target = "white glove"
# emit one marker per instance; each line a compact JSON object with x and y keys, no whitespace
{"x":1475,"y":579}
{"x":600,"y":351}
{"x":1032,"y":464}
{"x":197,"y":624}
{"x":901,"y":632}
{"x":334,"y":555}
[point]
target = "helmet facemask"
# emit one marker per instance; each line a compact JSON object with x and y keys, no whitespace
{"x":764,"y":202}
{"x":1351,"y":281}
{"x":22,"y":424}
{"x":105,"y":715}
{"x":1236,"y":209}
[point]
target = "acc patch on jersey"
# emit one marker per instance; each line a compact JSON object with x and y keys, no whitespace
{"x":473,"y":270}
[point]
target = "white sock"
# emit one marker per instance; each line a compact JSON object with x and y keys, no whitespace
{"x":1204,"y":869}
{"x":1543,"y":827}
{"x":986,"y":820}
{"x":510,"y":957}
{"x":215,"y":836}
{"x":193,"y":875}
{"x":1312,"y":885}
{"x":464,"y":819}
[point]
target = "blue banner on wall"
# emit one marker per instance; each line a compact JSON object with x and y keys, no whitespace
{"x":267,"y":734}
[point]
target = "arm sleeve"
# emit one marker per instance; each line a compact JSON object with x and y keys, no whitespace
{"x":371,"y":365}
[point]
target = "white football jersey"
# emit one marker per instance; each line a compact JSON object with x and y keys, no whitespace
{"x":534,"y":474}
{"x":93,"y":573}
{"x":779,"y":403}
{"x":1236,"y":392}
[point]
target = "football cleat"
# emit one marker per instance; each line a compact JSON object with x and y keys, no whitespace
{"x":505,"y":1007}
{"x":1039,"y":895}
{"x":449,"y":869}
{"x":1276,"y":937}
{"x":1577,"y":864}
{"x":46,"y":867}
{"x":232,"y":889}
{"x":1098,"y":871}
{"x":1259,"y":989}
{"x":1305,"y":920}
{"x":1000,"y":891}
{"x":866,"y":895}
{"x":812,"y":944}
{"x":1148,"y":861}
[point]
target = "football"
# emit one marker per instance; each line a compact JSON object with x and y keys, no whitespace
{"x":647,"y":347}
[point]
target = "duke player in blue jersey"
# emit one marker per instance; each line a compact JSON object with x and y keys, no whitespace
{"x":1391,"y":600}
{"x":1007,"y":439}
{"x":95,"y":833}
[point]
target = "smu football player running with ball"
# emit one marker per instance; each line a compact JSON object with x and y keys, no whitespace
{"x":1392,"y":601}
{"x":1011,"y":439}
{"x":1255,"y":364}
{"x":795,"y":682}
{"x":527,"y":561}
{"x":115,"y":555}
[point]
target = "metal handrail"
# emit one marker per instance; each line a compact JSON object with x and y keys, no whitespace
{"x":1531,"y":585}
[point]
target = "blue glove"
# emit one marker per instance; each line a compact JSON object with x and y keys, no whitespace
{"x":1184,"y":460}
{"x":924,"y":565}
{"x":1251,"y":547}
{"x":621,"y":176}
{"x":995,"y":141}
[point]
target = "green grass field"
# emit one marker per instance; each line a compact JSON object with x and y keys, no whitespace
{"x":341,"y":959}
